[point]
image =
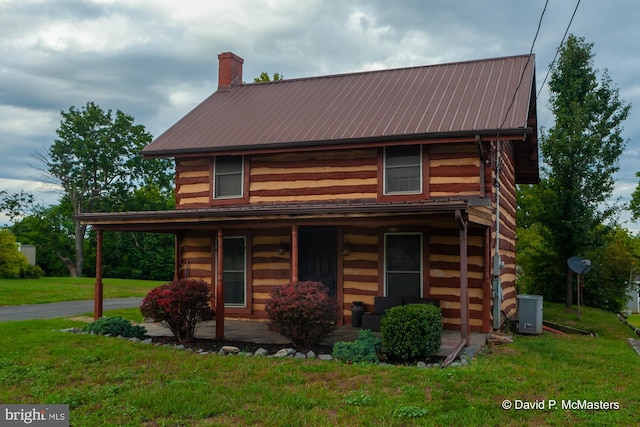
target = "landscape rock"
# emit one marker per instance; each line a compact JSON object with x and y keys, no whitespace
{"x":147,"y":341}
{"x":299,"y":355}
{"x":261,"y":352}
{"x":421,"y":364}
{"x":311,"y":354}
{"x":285,"y":352}
{"x":134,"y":339}
{"x":325,"y":357}
{"x":179,"y":347}
{"x":230,"y":349}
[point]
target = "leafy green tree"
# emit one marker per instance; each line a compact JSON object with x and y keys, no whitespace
{"x":95,"y":160}
{"x":581,"y":153}
{"x":11,"y":260}
{"x":634,"y":206}
{"x":264,"y":77}
{"x":18,"y":204}
{"x":607,"y":284}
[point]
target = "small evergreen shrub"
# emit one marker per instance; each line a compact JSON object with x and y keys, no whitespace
{"x":303,"y":312}
{"x":412,"y":331}
{"x":180,"y":305}
{"x":363,"y":350}
{"x":115,"y":326}
{"x":31,"y":272}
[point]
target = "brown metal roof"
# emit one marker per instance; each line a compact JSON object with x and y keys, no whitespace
{"x":457,"y":98}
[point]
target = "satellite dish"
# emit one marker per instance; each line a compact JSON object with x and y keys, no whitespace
{"x":579,"y":265}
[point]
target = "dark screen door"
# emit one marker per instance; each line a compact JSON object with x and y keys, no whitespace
{"x":317,"y":255}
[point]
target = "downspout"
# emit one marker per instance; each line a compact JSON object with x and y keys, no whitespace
{"x":220,"y":287}
{"x":464,"y":295}
{"x":497,"y":263}
{"x":481,"y":155}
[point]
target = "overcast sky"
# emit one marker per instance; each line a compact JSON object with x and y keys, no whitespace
{"x":157,"y":59}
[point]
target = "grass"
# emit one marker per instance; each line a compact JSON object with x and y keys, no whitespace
{"x":107,"y":381}
{"x":634,"y":320}
{"x":57,"y":289}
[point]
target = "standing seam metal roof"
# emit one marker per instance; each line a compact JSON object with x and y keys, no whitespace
{"x":466,"y":96}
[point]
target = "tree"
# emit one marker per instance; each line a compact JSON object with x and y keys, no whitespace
{"x":96,"y":162}
{"x":17,"y":204}
{"x":580,"y":155}
{"x":634,"y":206}
{"x":264,"y":77}
{"x":11,"y":260}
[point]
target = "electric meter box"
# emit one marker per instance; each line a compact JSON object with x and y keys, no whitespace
{"x":530,"y":314}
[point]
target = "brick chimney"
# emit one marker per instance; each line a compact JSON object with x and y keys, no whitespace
{"x":229,"y":71}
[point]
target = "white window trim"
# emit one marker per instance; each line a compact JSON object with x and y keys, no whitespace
{"x":384,"y":176}
{"x":386,"y":285}
{"x":215,"y":175}
{"x":244,"y":272}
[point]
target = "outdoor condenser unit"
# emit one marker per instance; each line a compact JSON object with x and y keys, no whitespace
{"x":530,"y":314}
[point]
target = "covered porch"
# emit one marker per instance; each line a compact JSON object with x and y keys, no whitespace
{"x":272,"y":237}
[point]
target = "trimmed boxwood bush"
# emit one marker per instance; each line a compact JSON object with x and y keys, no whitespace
{"x":115,"y":326}
{"x":303,"y":312}
{"x":364,"y":349}
{"x":180,"y":305}
{"x":412,"y":331}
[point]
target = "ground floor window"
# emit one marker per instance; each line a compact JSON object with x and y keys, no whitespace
{"x":403,"y":264}
{"x":234,"y":268}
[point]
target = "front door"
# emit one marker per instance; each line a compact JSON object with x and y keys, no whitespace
{"x":317,"y":255}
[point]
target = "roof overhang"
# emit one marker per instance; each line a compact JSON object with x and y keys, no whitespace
{"x":265,"y":216}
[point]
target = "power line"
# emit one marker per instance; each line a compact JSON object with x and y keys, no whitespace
{"x":524,"y":69}
{"x":558,"y":49}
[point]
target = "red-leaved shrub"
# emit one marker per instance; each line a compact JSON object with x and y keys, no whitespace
{"x":180,"y":305}
{"x":303,"y":312}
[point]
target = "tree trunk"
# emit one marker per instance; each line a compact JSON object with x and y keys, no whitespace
{"x":569,"y":298}
{"x":80,"y":231}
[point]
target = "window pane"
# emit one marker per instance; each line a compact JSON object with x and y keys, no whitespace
{"x":403,"y":156}
{"x":403,"y":284}
{"x":228,"y":164}
{"x":234,"y":254}
{"x":403,"y":262}
{"x":228,"y":176}
{"x":403,"y":179}
{"x":403,"y":252}
{"x":234,"y":270}
{"x":229,"y":185}
{"x":402,"y":169}
{"x":234,"y":288}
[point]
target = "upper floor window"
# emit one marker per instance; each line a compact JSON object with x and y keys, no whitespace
{"x":228,"y":178}
{"x":403,"y":170}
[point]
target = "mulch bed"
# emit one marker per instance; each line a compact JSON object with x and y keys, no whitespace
{"x":214,"y":345}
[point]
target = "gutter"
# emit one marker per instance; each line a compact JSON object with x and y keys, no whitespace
{"x":464,"y":297}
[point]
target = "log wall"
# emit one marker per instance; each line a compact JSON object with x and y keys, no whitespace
{"x":313,"y":176}
{"x":444,"y":274}
{"x":360,"y":280}
{"x":193,"y":183}
{"x":454,"y":170}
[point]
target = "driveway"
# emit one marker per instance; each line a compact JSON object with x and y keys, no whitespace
{"x":62,"y":309}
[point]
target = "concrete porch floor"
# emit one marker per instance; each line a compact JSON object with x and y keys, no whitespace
{"x":256,"y":331}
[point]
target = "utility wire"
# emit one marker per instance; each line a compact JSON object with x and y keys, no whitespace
{"x":558,"y":49}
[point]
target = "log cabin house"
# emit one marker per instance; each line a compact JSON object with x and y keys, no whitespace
{"x":397,"y":182}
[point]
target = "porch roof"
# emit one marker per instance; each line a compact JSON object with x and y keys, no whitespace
{"x":265,"y":215}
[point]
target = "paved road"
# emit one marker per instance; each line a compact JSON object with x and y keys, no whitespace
{"x":62,"y":309}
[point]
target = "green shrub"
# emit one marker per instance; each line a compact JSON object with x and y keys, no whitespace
{"x":115,"y":326}
{"x":304,"y":312}
{"x":31,"y":272}
{"x":412,"y":331}
{"x":364,"y":349}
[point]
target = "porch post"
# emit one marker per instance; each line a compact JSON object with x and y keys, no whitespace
{"x":220,"y":287}
{"x":465,"y":330}
{"x":176,"y":257}
{"x":98,"y":290}
{"x":294,"y":253}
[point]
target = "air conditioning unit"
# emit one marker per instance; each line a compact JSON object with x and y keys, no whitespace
{"x":530,"y":314}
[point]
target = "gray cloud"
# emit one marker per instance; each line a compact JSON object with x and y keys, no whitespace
{"x":157,"y":59}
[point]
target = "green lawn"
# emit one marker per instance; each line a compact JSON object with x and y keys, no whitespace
{"x":107,"y":381}
{"x":634,"y":320}
{"x":56,"y":289}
